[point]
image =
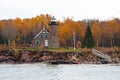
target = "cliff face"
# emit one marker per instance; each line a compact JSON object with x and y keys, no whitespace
{"x":29,"y":56}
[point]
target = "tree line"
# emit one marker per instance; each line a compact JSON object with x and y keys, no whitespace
{"x":22,"y":31}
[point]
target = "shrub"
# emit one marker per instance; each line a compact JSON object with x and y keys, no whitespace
{"x":4,"y":48}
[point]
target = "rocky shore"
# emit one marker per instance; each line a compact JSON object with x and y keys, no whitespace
{"x":52,"y":57}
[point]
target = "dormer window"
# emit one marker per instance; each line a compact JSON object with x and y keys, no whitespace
{"x":41,"y":35}
{"x":46,"y":35}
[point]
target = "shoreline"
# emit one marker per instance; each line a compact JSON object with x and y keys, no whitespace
{"x":48,"y":64}
{"x":51,"y":57}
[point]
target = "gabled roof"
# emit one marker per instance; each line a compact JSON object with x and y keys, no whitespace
{"x":44,"y":29}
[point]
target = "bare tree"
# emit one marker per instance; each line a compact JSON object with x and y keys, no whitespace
{"x":9,"y":31}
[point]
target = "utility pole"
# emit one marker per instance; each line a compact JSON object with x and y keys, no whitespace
{"x":74,"y":40}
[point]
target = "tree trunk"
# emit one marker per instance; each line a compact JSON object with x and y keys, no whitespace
{"x":8,"y":42}
{"x":97,"y":44}
{"x":111,"y":41}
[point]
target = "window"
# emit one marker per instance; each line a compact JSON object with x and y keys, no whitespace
{"x":46,"y":35}
{"x":41,"y":35}
{"x":37,"y":42}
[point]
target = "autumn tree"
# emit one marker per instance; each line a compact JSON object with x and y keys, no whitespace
{"x":96,"y":31}
{"x":1,"y":35}
{"x":19,"y":25}
{"x":22,"y":31}
{"x":9,"y":31}
{"x":117,"y":33}
{"x":71,"y":27}
{"x":113,"y":29}
{"x":64,"y":34}
{"x":25,"y":31}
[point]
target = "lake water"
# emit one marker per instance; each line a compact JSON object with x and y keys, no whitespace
{"x":41,"y":71}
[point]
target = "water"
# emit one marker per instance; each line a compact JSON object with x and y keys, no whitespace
{"x":41,"y":71}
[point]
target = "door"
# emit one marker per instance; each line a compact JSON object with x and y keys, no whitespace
{"x":46,"y":43}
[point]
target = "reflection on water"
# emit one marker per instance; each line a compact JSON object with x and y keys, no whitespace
{"x":41,"y":71}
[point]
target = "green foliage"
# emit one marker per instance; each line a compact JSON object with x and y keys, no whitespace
{"x":51,"y":49}
{"x":1,"y":37}
{"x":88,"y":40}
{"x":63,"y":49}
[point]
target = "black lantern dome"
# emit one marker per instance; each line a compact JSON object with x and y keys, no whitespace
{"x":53,"y":21}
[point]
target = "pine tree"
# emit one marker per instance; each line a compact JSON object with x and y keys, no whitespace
{"x":1,"y":37}
{"x":88,"y":40}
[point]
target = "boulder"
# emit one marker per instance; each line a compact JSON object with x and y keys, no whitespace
{"x":3,"y":59}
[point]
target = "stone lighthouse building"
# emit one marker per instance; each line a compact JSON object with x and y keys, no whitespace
{"x":54,"y":41}
{"x":47,"y":38}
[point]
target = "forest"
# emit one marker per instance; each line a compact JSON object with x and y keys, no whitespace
{"x":22,"y":31}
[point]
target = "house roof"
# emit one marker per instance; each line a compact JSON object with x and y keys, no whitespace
{"x":43,"y":30}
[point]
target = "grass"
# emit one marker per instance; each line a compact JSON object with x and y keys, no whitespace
{"x":4,"y":47}
{"x":52,"y":49}
{"x":28,"y":48}
{"x":63,"y":50}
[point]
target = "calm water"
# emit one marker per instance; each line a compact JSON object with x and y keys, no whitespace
{"x":58,"y":72}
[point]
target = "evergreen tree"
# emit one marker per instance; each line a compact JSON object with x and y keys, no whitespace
{"x":88,"y":40}
{"x":1,"y":37}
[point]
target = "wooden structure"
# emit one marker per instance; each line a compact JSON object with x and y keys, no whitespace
{"x":101,"y":55}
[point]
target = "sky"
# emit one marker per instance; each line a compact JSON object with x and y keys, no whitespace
{"x":75,"y":9}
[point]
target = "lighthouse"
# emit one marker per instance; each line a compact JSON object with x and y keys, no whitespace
{"x":54,"y":41}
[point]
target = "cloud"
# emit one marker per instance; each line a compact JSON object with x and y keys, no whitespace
{"x":79,"y":9}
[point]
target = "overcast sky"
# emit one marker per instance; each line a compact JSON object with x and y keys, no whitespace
{"x":76,"y":9}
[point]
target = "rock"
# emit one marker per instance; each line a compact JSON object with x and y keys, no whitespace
{"x":63,"y":62}
{"x":46,"y":58}
{"x":3,"y":59}
{"x":115,"y":60}
{"x":26,"y":58}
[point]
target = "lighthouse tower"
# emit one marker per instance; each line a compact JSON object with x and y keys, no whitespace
{"x":54,"y":41}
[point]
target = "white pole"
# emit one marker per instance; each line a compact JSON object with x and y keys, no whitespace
{"x":74,"y":39}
